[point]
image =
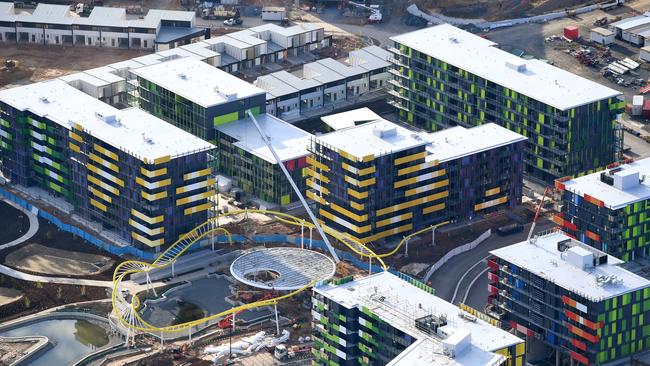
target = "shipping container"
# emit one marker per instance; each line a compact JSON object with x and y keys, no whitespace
{"x":572,"y":32}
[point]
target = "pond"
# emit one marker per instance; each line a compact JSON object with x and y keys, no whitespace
{"x":71,"y":339}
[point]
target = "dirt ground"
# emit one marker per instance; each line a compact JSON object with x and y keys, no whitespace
{"x":9,"y":295}
{"x":40,"y":259}
{"x":10,"y":352}
{"x":39,"y":62}
{"x":14,"y":223}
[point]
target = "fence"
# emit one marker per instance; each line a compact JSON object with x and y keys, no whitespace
{"x":456,"y":251}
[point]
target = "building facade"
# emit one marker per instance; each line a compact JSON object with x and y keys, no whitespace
{"x":244,"y":157}
{"x":571,"y":298}
{"x":444,"y":76}
{"x":383,"y":319}
{"x":194,"y":96}
{"x":379,"y":179}
{"x":136,"y":175}
{"x":608,"y":210}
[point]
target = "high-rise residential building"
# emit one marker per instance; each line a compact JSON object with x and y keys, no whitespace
{"x":383,"y":319}
{"x":244,"y":157}
{"x":378,"y":179}
{"x":194,"y":96}
{"x":609,"y":209}
{"x":572,"y":298}
{"x":135,"y":174}
{"x":445,"y":76}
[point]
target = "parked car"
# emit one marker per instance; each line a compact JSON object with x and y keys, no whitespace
{"x":233,"y":21}
{"x":510,"y":229}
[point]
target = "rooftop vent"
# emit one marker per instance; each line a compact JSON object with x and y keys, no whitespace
{"x":147,"y":140}
{"x":454,"y":40}
{"x":183,"y":76}
{"x":383,"y":130}
{"x":429,"y":324}
{"x":516,"y":64}
{"x":611,"y":280}
{"x":580,"y":257}
{"x":109,"y":118}
{"x":626,"y":179}
{"x":44,"y":100}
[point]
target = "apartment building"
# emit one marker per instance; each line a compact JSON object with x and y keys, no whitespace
{"x":51,"y":24}
{"x":383,"y":319}
{"x":378,"y":179}
{"x":194,"y":96}
{"x":444,"y":76}
{"x":572,"y":298}
{"x":138,"y":176}
{"x":246,"y":159}
{"x":608,"y":210}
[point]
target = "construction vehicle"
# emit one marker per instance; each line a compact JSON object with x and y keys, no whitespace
{"x":600,"y":22}
{"x":282,"y":352}
{"x":375,"y":13}
{"x":233,"y":21}
{"x":219,"y":12}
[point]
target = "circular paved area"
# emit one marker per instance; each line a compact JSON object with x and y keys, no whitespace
{"x":283,"y":269}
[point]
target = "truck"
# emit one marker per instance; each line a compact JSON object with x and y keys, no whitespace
{"x":219,"y":12}
{"x":282,"y":352}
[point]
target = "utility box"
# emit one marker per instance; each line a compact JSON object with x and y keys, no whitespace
{"x":572,"y":32}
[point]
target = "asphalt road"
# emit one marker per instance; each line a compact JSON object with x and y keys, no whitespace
{"x":459,"y":273}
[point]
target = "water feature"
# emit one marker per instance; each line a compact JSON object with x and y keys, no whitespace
{"x":71,"y":339}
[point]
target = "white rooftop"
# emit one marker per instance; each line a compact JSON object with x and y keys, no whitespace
{"x":602,"y":31}
{"x":632,"y":22}
{"x":455,"y":142}
{"x":612,"y":196}
{"x":275,"y":86}
{"x":136,"y":132}
{"x":403,"y":302}
{"x":539,"y":80}
{"x":197,"y":81}
{"x":289,"y":142}
{"x":362,"y":140}
{"x":351,"y":118}
{"x":370,"y":58}
{"x":342,"y":69}
{"x":544,"y":260}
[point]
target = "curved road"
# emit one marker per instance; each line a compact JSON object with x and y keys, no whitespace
{"x":463,"y":277}
{"x":33,"y":226}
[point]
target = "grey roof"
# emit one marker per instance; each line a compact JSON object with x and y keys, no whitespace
{"x":628,"y":23}
{"x":275,"y":86}
{"x":342,"y":69}
{"x":319,"y":72}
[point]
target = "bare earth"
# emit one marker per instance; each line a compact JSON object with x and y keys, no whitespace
{"x":10,"y":351}
{"x":7,"y":296}
{"x":40,"y":259}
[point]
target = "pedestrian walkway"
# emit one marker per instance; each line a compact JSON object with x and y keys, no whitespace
{"x":33,"y":226}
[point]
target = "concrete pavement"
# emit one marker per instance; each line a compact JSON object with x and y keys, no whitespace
{"x":446,"y":279}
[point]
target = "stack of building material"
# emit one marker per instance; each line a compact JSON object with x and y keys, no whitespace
{"x":646,"y":109}
{"x":637,"y":105}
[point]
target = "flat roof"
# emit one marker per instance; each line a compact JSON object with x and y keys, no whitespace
{"x":541,"y":81}
{"x":105,"y":16}
{"x":602,"y":31}
{"x":137,"y":132}
{"x":632,"y":22}
{"x":544,"y":260}
{"x":200,"y":48}
{"x":105,"y":73}
{"x":361,"y":140}
{"x":370,"y":59}
{"x":639,"y":28}
{"x":47,"y":13}
{"x":197,"y":81}
{"x":455,"y":142}
{"x":171,"y":34}
{"x":320,"y":73}
{"x":351,"y":118}
{"x":154,"y":16}
{"x":611,"y":196}
{"x":399,"y":303}
{"x":290,"y":142}
{"x":84,"y":77}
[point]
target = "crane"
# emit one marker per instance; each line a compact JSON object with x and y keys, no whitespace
{"x":541,"y":203}
{"x":375,"y":14}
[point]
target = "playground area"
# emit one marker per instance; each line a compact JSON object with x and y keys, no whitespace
{"x":40,"y":259}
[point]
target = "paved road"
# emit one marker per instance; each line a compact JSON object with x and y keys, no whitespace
{"x":447,"y":279}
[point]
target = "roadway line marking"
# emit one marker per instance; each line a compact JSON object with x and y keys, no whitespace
{"x":464,"y":275}
{"x":471,"y":284}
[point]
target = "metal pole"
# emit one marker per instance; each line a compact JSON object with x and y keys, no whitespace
{"x":302,"y":236}
{"x":310,"y":247}
{"x":277,"y":322}
{"x":295,"y":188}
{"x":406,"y":248}
{"x":162,"y":342}
{"x":433,"y":236}
{"x":369,"y":264}
{"x":173,"y":268}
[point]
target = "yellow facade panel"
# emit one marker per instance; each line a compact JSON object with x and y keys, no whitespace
{"x":194,"y":186}
{"x":100,"y":206}
{"x":340,"y":221}
{"x":103,"y":162}
{"x":418,"y":167}
{"x":434,"y":208}
{"x":419,"y":178}
{"x":409,"y":204}
{"x":153,"y":173}
{"x":428,"y":187}
{"x":107,"y":187}
{"x":153,"y":197}
{"x":195,"y":197}
{"x":494,"y":202}
{"x":348,"y":155}
{"x":357,"y":195}
{"x":410,"y":158}
{"x":318,"y":176}
{"x":356,"y":171}
{"x":317,"y":198}
{"x":75,"y":137}
{"x":145,"y":241}
{"x":147,"y":219}
{"x":394,"y":219}
{"x":197,"y":174}
{"x":195,"y":209}
{"x":162,"y":159}
{"x":316,"y":186}
{"x":348,"y":213}
{"x":106,"y":152}
{"x":384,"y":234}
{"x":100,"y":194}
{"x":317,"y":164}
{"x":357,"y":206}
{"x":360,"y":183}
{"x":146,"y":230}
{"x":106,"y":175}
{"x":493,"y":191}
{"x":153,"y":185}
{"x":74,"y":147}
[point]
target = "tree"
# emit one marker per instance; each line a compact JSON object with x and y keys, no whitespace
{"x":83,"y":291}
{"x":27,"y":302}
{"x":39,"y":285}
{"x":59,"y":293}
